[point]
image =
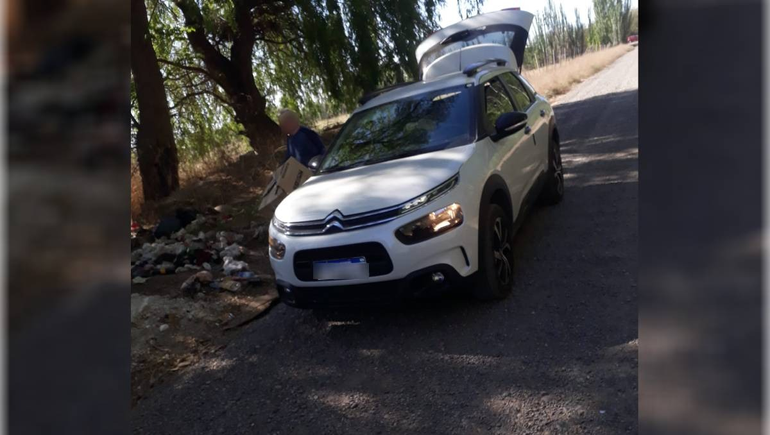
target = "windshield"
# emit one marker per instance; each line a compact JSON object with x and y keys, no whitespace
{"x":413,"y":125}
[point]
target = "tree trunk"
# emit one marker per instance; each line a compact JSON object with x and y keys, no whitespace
{"x":155,"y":146}
{"x":235,"y":74}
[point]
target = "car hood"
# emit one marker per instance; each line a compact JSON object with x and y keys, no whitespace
{"x":371,"y":187}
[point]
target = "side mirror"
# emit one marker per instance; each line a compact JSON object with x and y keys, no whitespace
{"x":509,"y":123}
{"x":314,"y":162}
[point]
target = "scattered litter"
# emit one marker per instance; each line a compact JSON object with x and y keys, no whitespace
{"x":139,"y":280}
{"x":601,"y":411}
{"x":231,"y":266}
{"x":165,"y":268}
{"x":163,"y":327}
{"x":247,"y":276}
{"x":142,"y":270}
{"x":179,"y":235}
{"x":193,"y":284}
{"x":204,"y":276}
{"x":229,"y":237}
{"x":190,"y":284}
{"x":196,"y":224}
{"x":167,"y":226}
{"x":224,"y":209}
{"x":234,"y":250}
{"x":206,"y":266}
{"x":229,"y":285}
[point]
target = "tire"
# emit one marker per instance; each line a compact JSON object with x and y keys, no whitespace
{"x":553,"y":191}
{"x":495,"y":275}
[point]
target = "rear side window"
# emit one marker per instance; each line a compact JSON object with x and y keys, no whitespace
{"x":496,"y":102}
{"x":521,"y":96}
{"x":527,"y":85}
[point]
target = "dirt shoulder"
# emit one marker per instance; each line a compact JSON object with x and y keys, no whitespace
{"x":192,"y":290}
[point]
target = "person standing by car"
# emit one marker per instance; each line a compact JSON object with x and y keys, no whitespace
{"x":302,"y":143}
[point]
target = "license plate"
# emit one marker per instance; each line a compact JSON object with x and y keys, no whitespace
{"x":343,"y":268}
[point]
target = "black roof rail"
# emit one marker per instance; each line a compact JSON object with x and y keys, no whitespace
{"x":363,"y":100}
{"x":474,"y":67}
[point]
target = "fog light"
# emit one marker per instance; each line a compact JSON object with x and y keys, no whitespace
{"x":277,"y":249}
{"x":437,"y":277}
{"x":431,"y":225}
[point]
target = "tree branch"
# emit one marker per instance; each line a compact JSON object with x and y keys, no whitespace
{"x":187,"y":97}
{"x":218,"y":65}
{"x":186,"y":67}
{"x":219,"y":97}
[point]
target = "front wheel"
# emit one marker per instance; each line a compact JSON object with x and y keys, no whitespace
{"x":553,"y":191}
{"x":495,"y":280}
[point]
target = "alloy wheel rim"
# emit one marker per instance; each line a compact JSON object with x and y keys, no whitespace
{"x":501,"y":249}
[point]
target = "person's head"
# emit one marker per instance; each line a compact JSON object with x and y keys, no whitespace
{"x":289,"y":121}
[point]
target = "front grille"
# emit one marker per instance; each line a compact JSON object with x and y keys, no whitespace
{"x":376,"y":256}
{"x":336,"y":221}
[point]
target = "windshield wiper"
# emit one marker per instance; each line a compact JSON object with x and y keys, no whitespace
{"x":338,"y":168}
{"x":410,"y":153}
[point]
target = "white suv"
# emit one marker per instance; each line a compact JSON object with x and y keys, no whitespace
{"x":426,"y":183}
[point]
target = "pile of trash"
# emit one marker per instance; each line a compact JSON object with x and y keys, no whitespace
{"x":181,"y":244}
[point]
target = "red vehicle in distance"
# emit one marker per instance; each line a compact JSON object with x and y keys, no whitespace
{"x":632,"y":38}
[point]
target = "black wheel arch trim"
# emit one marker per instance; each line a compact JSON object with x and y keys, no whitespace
{"x":494,"y":184}
{"x":551,"y":126}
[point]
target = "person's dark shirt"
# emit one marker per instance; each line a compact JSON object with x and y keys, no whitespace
{"x":304,"y":145}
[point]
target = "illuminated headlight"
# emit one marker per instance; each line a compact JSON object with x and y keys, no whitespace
{"x":277,"y":249}
{"x":431,"y":225}
{"x":430,"y":195}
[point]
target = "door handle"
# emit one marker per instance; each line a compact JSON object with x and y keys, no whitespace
{"x":527,"y":130}
{"x":542,"y":112}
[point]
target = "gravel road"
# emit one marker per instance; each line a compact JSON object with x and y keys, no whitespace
{"x":559,"y":356}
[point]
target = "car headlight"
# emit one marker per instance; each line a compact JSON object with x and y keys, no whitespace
{"x":276,"y":248}
{"x":431,"y":225}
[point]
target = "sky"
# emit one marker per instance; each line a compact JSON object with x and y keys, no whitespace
{"x":450,"y":16}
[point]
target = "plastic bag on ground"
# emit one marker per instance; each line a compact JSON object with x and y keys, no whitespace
{"x":234,"y":250}
{"x":231,"y":266}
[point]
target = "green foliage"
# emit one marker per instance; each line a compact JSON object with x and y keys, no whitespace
{"x":613,"y":19}
{"x":553,"y":37}
{"x":317,"y":60}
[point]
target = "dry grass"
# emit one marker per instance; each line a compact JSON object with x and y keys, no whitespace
{"x":334,"y":121}
{"x":227,"y":174}
{"x":557,"y":79}
{"x":137,"y":197}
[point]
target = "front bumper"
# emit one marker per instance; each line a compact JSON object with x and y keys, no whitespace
{"x":418,"y":284}
{"x":456,"y":248}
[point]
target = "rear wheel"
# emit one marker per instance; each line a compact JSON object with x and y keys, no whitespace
{"x":553,"y":191}
{"x":495,"y":280}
